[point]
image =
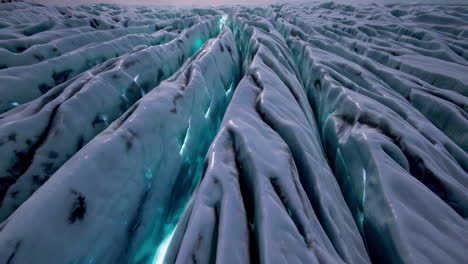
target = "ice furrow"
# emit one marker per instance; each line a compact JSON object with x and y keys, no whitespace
{"x":100,"y":95}
{"x":256,"y":167}
{"x":59,"y":47}
{"x":411,"y":170}
{"x":138,"y":199}
{"x":19,"y":44}
{"x":421,"y":88}
{"x":50,"y":73}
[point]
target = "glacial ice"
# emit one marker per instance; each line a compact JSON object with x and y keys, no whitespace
{"x":287,"y":133}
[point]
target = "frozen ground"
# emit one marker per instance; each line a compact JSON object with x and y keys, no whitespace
{"x":296,"y":133}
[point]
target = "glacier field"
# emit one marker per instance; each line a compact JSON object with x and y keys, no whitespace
{"x":283,"y":133}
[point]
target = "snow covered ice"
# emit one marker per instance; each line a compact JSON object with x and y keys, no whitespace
{"x":284,"y":133}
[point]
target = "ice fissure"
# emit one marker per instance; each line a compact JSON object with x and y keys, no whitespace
{"x":287,"y":133}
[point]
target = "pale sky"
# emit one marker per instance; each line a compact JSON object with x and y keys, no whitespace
{"x":228,"y":2}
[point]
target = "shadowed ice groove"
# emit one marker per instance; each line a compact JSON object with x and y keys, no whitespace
{"x":409,"y":72}
{"x":34,"y":80}
{"x":124,"y":191}
{"x":46,"y":132}
{"x":59,"y":47}
{"x":404,"y":179}
{"x":27,"y":24}
{"x":264,"y":191}
{"x":46,"y":61}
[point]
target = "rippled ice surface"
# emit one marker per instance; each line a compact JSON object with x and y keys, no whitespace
{"x":289,"y":133}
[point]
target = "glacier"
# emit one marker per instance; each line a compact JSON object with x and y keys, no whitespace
{"x":285,"y":133}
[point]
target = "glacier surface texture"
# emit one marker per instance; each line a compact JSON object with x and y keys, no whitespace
{"x":288,"y":133}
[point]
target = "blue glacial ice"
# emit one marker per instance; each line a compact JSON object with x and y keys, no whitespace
{"x":284,"y":133}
